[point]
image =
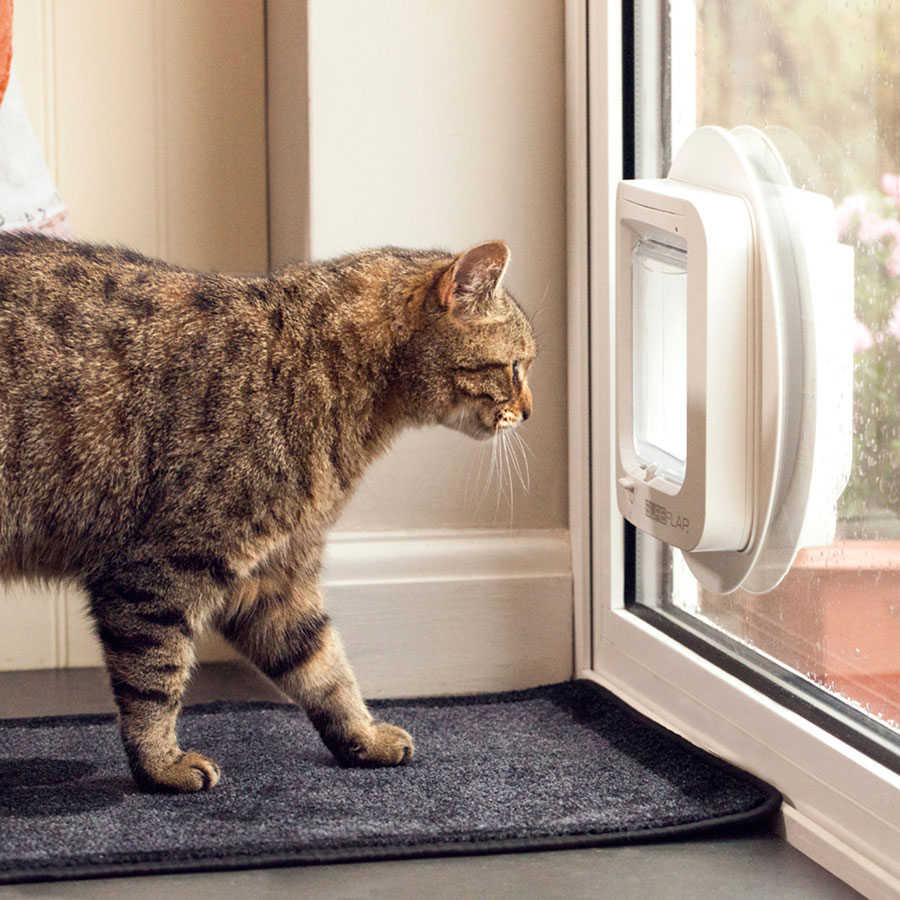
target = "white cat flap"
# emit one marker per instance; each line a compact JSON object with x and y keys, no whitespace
{"x":734,"y":360}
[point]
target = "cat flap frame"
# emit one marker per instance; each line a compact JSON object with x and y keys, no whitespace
{"x":764,"y":358}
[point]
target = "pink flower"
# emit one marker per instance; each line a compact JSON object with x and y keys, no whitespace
{"x":849,"y":208}
{"x":873,"y":228}
{"x":893,"y":261}
{"x":893,"y":325}
{"x":890,"y":185}
{"x":862,"y":337}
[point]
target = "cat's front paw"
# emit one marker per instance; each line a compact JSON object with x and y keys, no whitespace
{"x":382,"y":745}
{"x":192,"y":772}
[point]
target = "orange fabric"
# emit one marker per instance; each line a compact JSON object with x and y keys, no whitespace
{"x":6,"y":16}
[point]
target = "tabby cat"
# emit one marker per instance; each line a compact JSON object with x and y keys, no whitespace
{"x":179,"y":444}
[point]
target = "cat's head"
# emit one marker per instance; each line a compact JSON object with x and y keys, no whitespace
{"x":476,"y":350}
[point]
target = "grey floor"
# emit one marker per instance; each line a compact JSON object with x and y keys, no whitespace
{"x":762,"y":866}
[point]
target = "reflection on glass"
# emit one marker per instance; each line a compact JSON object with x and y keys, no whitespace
{"x":659,"y":324}
{"x":822,"y":79}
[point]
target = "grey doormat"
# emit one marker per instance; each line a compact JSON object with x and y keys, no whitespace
{"x":567,"y":765}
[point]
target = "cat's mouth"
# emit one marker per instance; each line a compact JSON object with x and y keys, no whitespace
{"x":467,"y":420}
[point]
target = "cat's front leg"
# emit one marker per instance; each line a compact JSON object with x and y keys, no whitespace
{"x":284,"y":631}
{"x":147,"y":628}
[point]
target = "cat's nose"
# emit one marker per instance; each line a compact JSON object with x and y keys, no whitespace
{"x":525,"y":402}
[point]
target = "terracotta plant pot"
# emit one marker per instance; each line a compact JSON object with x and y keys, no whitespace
{"x":835,"y":618}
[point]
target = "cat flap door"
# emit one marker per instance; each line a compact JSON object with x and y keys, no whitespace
{"x":734,"y":360}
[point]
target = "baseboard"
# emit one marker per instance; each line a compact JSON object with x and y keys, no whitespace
{"x":422,"y":612}
{"x":841,"y":860}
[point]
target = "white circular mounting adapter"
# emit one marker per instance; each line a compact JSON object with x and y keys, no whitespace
{"x":734,"y":369}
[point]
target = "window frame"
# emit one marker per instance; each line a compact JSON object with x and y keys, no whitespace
{"x":661,"y":71}
{"x":842,"y":808}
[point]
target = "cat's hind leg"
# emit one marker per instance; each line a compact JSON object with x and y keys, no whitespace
{"x":283,"y":629}
{"x":147,"y":631}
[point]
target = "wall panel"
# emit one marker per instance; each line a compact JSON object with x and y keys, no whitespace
{"x":152,"y":118}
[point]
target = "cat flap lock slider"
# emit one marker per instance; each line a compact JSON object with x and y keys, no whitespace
{"x":731,"y":294}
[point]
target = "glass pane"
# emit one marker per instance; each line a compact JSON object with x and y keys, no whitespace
{"x":659,"y":324}
{"x":823,"y":80}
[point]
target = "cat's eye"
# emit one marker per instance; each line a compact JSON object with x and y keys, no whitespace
{"x":515,"y":373}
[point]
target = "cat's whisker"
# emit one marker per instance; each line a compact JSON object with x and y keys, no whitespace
{"x":473,"y":472}
{"x":507,"y":452}
{"x":540,"y":309}
{"x":468,"y":488}
{"x":523,"y":449}
{"x":483,"y":483}
{"x":482,"y":451}
{"x":513,"y":448}
{"x":490,"y":477}
{"x":501,"y":485}
{"x":501,"y":455}
{"x":523,"y":446}
{"x":459,"y":426}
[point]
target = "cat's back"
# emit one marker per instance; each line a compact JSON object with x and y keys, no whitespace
{"x":54,"y":290}
{"x":76,"y":306}
{"x":113,"y":366}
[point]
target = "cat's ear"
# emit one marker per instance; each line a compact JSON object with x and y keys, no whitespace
{"x":469,"y":284}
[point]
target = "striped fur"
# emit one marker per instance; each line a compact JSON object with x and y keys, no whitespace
{"x":180,"y":444}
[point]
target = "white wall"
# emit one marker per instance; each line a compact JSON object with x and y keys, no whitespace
{"x":152,"y":118}
{"x":441,"y":124}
